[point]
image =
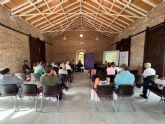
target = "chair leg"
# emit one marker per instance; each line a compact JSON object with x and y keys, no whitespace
{"x":97,"y":104}
{"x":41,"y":102}
{"x":58,"y":103}
{"x":133,"y":98}
{"x":148,"y":96}
{"x":113,"y":104}
{"x":15,"y":103}
{"x":36,"y":100}
{"x":20,"y":102}
{"x":118,"y":102}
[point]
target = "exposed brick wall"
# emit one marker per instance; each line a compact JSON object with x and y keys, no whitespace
{"x":154,"y":17}
{"x":66,"y":49}
{"x":14,"y":47}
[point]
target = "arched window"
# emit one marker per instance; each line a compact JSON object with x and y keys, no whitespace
{"x":80,"y":56}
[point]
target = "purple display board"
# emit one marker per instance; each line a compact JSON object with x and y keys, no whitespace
{"x":89,"y":60}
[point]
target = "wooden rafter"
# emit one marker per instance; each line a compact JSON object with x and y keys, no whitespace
{"x":108,"y":17}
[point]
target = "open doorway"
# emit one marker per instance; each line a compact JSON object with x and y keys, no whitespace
{"x":80,"y":56}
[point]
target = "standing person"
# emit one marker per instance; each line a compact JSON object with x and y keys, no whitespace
{"x":50,"y":79}
{"x":26,"y":68}
{"x":124,"y":77}
{"x":148,"y":76}
{"x":40,"y":68}
{"x":111,"y":71}
{"x":7,"y":78}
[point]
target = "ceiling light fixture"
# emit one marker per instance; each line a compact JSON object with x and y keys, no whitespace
{"x":64,"y":38}
{"x":81,"y":35}
{"x":97,"y":38}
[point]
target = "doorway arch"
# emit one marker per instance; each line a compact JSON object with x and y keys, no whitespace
{"x":80,"y":55}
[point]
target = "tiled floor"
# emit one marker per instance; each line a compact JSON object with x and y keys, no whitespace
{"x":77,"y":108}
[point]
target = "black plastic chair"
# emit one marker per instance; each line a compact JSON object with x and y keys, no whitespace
{"x":29,"y":90}
{"x":9,"y":90}
{"x":65,"y":80}
{"x":104,"y":91}
{"x":35,"y":77}
{"x":125,"y":90}
{"x":163,"y":95}
{"x":51,"y":91}
{"x":138,"y":79}
{"x":151,"y":85}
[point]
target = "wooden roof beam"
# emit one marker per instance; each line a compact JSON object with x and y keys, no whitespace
{"x":47,"y":10}
{"x":149,"y":3}
{"x":54,"y":12}
{"x":56,"y":22}
{"x":21,"y":8}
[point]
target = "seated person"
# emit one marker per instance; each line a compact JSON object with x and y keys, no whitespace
{"x":147,"y":75}
{"x":69,"y":70}
{"x":26,"y":68}
{"x":124,"y":77}
{"x":39,"y":68}
{"x":63,"y":74}
{"x":101,"y":79}
{"x":50,"y":78}
{"x":7,"y":78}
{"x":79,"y":65}
{"x":111,"y":71}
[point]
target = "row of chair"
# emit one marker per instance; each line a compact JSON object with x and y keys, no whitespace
{"x":29,"y":90}
{"x":123,"y":91}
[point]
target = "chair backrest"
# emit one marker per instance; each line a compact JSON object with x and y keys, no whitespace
{"x":21,"y":75}
{"x":8,"y":89}
{"x":152,"y":78}
{"x":134,"y":72}
{"x":126,"y":90}
{"x":163,"y":92}
{"x":138,"y":78}
{"x":35,"y":77}
{"x":64,"y":77}
{"x":29,"y":89}
{"x":51,"y":90}
{"x":105,"y":90}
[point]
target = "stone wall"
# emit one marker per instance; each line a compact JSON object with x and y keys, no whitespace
{"x":154,"y":17}
{"x":14,"y":47}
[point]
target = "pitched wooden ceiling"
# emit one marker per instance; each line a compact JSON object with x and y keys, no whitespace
{"x":108,"y":17}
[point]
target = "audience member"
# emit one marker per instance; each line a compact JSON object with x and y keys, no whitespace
{"x":124,"y":76}
{"x":79,"y":65}
{"x":148,"y":75}
{"x":111,"y":71}
{"x":26,"y":68}
{"x":7,"y":78}
{"x":101,"y":79}
{"x":69,"y":70}
{"x":50,"y":78}
{"x":40,"y":68}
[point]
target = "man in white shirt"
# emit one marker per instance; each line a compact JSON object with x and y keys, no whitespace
{"x":148,"y":70}
{"x":148,"y":75}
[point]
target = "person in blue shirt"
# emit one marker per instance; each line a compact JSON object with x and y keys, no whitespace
{"x":7,"y":78}
{"x":124,"y":76}
{"x":40,"y":69}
